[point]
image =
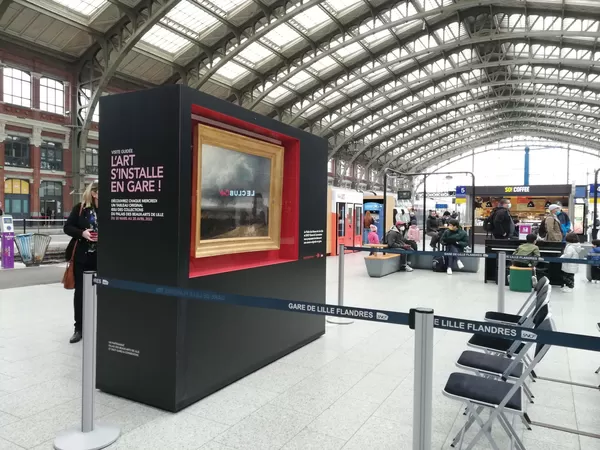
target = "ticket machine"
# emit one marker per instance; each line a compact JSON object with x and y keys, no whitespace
{"x":376,"y":211}
{"x":7,"y":239}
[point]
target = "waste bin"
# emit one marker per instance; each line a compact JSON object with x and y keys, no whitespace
{"x":520,"y":279}
{"x":32,"y":248}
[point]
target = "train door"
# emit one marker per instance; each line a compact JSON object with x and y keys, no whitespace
{"x":341,"y":226}
{"x":358,"y":225}
{"x":349,"y":238}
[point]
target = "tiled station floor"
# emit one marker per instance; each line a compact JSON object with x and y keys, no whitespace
{"x":352,"y":389}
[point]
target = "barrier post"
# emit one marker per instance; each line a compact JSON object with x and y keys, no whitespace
{"x":340,"y":320}
{"x":89,"y":437}
{"x":421,"y":320}
{"x":501,"y":276}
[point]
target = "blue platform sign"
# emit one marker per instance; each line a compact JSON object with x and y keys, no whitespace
{"x":441,"y":206}
{"x":461,"y":192}
{"x":592,"y":190}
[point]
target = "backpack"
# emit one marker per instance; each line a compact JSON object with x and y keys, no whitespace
{"x":438,"y":264}
{"x":488,"y":223}
{"x":542,"y":230}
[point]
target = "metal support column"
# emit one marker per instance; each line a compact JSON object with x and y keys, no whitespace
{"x":501,"y":277}
{"x":340,"y":320}
{"x":423,"y":384}
{"x":89,"y":437}
{"x":424,"y":209}
{"x":595,"y":217}
{"x":526,"y":171}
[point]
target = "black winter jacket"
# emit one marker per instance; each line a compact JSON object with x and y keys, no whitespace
{"x":504,"y":227}
{"x":433,"y":224}
{"x":75,"y":226}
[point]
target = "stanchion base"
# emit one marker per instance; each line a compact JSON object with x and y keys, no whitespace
{"x":75,"y":439}
{"x":339,"y":320}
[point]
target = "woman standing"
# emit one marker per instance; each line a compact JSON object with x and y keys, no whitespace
{"x":82,"y":226}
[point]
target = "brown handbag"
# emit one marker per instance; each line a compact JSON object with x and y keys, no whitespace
{"x":68,"y":279}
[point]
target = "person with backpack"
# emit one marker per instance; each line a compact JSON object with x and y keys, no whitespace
{"x":500,"y":223}
{"x":551,"y":229}
{"x":455,"y":239}
{"x":564,"y":220}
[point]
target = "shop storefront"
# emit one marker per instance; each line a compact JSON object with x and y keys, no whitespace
{"x":16,"y":198}
{"x":529,"y":204}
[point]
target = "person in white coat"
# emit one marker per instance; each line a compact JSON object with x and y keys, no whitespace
{"x":570,"y":269}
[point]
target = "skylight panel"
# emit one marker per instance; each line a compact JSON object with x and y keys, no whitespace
{"x":165,"y":40}
{"x":83,"y":7}
{"x":299,"y":79}
{"x":189,"y":18}
{"x":256,"y":54}
{"x":323,"y":64}
{"x":281,"y":36}
{"x":374,"y":76}
{"x":313,"y":109}
{"x":227,"y":5}
{"x":279,"y":93}
{"x":349,"y":50}
{"x":355,"y":85}
{"x":232,"y":71}
{"x":340,"y":6}
{"x":329,"y":99}
{"x":312,"y":18}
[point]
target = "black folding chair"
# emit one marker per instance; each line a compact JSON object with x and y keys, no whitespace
{"x":500,"y":396}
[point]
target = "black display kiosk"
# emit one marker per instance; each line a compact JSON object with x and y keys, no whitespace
{"x":547,"y":249}
{"x":171,"y":352}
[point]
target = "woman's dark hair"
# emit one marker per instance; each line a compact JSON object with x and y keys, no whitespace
{"x":454,"y":222}
{"x":446,"y":213}
{"x":531,"y":238}
{"x":572,"y":238}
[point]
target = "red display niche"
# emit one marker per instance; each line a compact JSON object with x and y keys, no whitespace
{"x":288,"y":250}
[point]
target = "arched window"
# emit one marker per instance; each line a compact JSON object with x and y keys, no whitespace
{"x":17,"y":87}
{"x":52,"y":96}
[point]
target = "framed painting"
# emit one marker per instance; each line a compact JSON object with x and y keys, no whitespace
{"x":239,"y":183}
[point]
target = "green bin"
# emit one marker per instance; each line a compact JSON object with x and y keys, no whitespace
{"x":520,"y":279}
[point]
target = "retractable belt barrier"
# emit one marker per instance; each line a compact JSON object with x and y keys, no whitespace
{"x":373,"y":315}
{"x":590,"y":262}
{"x":422,"y":321}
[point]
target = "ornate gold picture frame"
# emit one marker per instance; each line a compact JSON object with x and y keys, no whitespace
{"x":239,"y":183}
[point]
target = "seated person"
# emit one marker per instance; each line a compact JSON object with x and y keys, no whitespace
{"x":455,"y":239}
{"x":394,"y":239}
{"x":528,"y":249}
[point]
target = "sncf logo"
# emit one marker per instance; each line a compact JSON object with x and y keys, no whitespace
{"x":529,"y":335}
{"x":381,"y":316}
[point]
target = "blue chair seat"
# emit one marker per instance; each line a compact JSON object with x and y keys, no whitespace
{"x":502,"y":317}
{"x":482,"y":390}
{"x":489,"y":363}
